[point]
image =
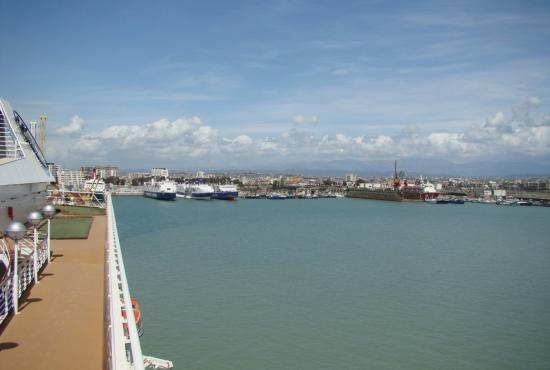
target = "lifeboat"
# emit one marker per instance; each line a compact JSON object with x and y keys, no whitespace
{"x":137,"y":317}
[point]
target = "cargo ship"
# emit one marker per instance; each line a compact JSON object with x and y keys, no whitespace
{"x":399,"y":191}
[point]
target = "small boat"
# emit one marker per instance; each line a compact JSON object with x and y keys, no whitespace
{"x":524,"y":203}
{"x":277,"y":196}
{"x":444,"y":200}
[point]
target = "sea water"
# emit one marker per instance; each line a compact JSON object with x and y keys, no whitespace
{"x":339,"y":283}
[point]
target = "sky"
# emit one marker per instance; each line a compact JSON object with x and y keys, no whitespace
{"x":277,"y":84}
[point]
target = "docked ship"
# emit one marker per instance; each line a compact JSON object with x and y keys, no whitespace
{"x":201,"y":191}
{"x":24,"y":175}
{"x":195,"y":191}
{"x":162,"y":190}
{"x":399,"y":191}
{"x":96,"y":187}
{"x":182,"y":191}
{"x":225,"y":192}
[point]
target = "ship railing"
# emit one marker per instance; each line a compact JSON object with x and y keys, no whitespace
{"x":9,"y":143}
{"x":25,"y":268}
{"x":123,"y":345}
{"x":30,"y":139}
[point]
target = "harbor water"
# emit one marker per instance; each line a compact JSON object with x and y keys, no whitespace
{"x":339,"y":283}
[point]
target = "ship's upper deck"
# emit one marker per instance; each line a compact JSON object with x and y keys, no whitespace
{"x":61,"y":319}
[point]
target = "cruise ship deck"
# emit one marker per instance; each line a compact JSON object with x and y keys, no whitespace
{"x":61,"y":320}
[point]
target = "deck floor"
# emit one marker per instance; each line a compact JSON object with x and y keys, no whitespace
{"x":60,"y":323}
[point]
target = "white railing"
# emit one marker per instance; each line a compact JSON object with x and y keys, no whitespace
{"x":25,"y":268}
{"x":9,"y":143}
{"x":124,"y":347}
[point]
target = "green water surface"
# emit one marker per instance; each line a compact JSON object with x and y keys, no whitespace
{"x":339,"y":283}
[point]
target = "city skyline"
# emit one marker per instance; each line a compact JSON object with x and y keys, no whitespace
{"x":284,"y":84}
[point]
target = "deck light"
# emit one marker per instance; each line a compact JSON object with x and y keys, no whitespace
{"x":15,"y":231}
{"x":48,"y":211}
{"x":34,"y":219}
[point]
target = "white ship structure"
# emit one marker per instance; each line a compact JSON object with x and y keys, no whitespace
{"x":24,"y":175}
{"x":201,"y":191}
{"x":96,"y":188}
{"x":162,"y":190}
{"x":195,"y":191}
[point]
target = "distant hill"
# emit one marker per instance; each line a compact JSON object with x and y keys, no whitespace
{"x":411,"y":166}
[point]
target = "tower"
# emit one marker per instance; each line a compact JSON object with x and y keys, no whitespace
{"x":42,"y":133}
{"x":32,"y":127}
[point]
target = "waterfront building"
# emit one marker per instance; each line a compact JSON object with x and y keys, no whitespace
{"x":70,"y":179}
{"x":159,"y":172}
{"x":351,"y":177}
{"x":102,"y":172}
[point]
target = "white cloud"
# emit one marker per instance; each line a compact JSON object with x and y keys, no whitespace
{"x":499,"y":135}
{"x":305,"y":120}
{"x":534,"y":101}
{"x":242,"y":140}
{"x":75,"y":126}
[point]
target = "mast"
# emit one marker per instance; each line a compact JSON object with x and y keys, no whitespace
{"x":396,"y":180}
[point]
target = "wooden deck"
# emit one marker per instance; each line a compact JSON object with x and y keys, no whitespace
{"x":60,"y":324}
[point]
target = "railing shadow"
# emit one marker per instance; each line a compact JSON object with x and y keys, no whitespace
{"x":28,"y":301}
{"x":45,"y":274}
{"x":7,"y":345}
{"x":55,"y":256}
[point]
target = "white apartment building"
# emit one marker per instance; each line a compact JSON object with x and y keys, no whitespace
{"x":101,"y":171}
{"x":159,"y":171}
{"x":54,"y":169}
{"x":70,"y":179}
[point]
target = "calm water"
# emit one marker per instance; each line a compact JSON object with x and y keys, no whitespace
{"x":339,"y":283}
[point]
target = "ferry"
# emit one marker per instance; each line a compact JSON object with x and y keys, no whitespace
{"x":195,"y":191}
{"x":182,"y":191}
{"x":225,"y":192}
{"x":163,"y":190}
{"x":201,"y":191}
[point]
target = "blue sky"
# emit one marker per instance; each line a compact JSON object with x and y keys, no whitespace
{"x":253,"y":84}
